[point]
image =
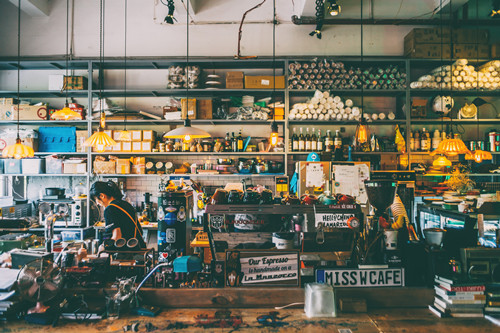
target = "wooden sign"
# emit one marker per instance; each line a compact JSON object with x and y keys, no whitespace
{"x":381,"y":277}
{"x":248,"y":268}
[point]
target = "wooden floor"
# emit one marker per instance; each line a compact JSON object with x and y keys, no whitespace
{"x":389,"y":320}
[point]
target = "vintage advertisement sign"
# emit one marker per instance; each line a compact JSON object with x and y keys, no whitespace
{"x":270,"y":268}
{"x":381,"y":277}
{"x":332,"y":220}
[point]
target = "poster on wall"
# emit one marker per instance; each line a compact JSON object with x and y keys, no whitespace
{"x":248,"y":268}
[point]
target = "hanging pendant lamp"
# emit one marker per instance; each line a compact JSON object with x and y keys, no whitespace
{"x":187,"y":132}
{"x":442,"y":161}
{"x":362,"y":134}
{"x":273,"y":138}
{"x":18,"y":150}
{"x":66,"y":113}
{"x":100,"y":140}
{"x":451,"y":147}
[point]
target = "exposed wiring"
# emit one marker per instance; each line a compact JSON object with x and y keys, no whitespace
{"x":240,"y":32}
{"x":399,"y":9}
{"x":320,"y":13}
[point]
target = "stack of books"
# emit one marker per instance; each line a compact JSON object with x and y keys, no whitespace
{"x":492,"y":309}
{"x":455,"y":298}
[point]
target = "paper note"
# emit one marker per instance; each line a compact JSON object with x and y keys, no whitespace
{"x":314,"y":175}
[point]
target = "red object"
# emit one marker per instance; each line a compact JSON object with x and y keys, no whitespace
{"x":383,"y":222}
{"x":344,"y":199}
{"x":308,"y":199}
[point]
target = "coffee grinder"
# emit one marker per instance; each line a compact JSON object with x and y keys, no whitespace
{"x":381,"y":195}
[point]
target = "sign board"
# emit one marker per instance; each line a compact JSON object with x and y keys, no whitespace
{"x":380,"y":277}
{"x":261,"y":268}
{"x":332,"y":220}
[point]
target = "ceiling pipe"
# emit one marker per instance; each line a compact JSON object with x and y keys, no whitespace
{"x":309,"y":20}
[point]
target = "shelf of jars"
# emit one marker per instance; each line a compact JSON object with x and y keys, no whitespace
{"x":203,"y":92}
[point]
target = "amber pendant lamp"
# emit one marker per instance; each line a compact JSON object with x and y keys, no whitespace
{"x":66,"y":113}
{"x":18,"y":150}
{"x":187,"y":132}
{"x":362,"y":134}
{"x":100,"y":140}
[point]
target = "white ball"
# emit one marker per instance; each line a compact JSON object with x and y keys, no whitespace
{"x":330,"y":99}
{"x":351,"y":116}
{"x":321,"y":117}
{"x":327,"y":117}
{"x":355,"y":111}
{"x":328,"y":106}
{"x":330,"y":112}
{"x":391,"y":116}
{"x":337,"y":99}
{"x":309,"y":116}
{"x":339,"y":117}
{"x":342,"y":110}
{"x":374,"y":116}
{"x":291,"y":116}
{"x":345,"y":116}
{"x":318,"y":94}
{"x":348,"y":102}
{"x":340,"y":105}
{"x":336,"y":111}
{"x":304,"y":116}
{"x":326,"y":94}
{"x":314,"y":111}
{"x":322,"y":101}
{"x":307,"y":111}
{"x":314,"y":100}
{"x":315,"y":116}
{"x":310,"y":106}
{"x":381,"y":116}
{"x":348,"y":110}
{"x":320,"y":107}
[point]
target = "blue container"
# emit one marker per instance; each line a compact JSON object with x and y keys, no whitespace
{"x":57,"y":139}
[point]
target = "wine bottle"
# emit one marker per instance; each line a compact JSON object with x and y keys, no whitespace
{"x":234,"y":144}
{"x":314,"y":141}
{"x":227,"y":143}
{"x":308,"y":140}
{"x":328,"y":142}
{"x":302,"y":143}
{"x":295,"y":140}
{"x":319,"y":144}
{"x":417,"y":140}
{"x":240,"y":142}
{"x":423,"y":140}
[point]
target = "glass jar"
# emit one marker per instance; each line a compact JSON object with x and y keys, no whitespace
{"x":169,"y":146}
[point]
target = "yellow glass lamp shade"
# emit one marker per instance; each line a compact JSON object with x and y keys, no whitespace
{"x":100,"y":141}
{"x":362,"y":133}
{"x":187,"y":133}
{"x":479,"y":155}
{"x":66,"y":114}
{"x":125,"y":136}
{"x":451,"y":147}
{"x":442,"y":161}
{"x":18,"y":150}
{"x":273,"y":139}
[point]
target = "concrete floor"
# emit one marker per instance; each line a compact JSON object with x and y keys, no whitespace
{"x":393,"y":320}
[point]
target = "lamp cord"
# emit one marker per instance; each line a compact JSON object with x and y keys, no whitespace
{"x":125,"y":71}
{"x":101,"y":59}
{"x":65,"y":81}
{"x":362,"y":61}
{"x":274,"y":60}
{"x":18,"y":62}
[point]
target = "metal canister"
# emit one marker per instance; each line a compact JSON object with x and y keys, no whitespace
{"x":492,"y":140}
{"x":480,"y":145}
{"x":497,"y":142}
{"x":472,"y":145}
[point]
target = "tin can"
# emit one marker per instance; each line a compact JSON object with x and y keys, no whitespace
{"x":492,"y":140}
{"x":480,"y":145}
{"x":472,"y":145}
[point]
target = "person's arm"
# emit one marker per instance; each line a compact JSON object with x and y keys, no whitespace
{"x":117,"y":234}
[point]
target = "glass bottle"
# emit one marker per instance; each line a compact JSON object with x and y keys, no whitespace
{"x":308,"y":140}
{"x":302,"y":142}
{"x":314,"y":141}
{"x":295,"y":140}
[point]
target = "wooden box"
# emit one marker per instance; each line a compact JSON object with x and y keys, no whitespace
{"x":75,"y":82}
{"x":136,"y":135}
{"x":75,"y":168}
{"x":148,"y":135}
{"x":123,"y":166}
{"x":188,"y":109}
{"x":205,"y":109}
{"x":104,"y":167}
{"x":264,"y":82}
{"x":234,"y":80}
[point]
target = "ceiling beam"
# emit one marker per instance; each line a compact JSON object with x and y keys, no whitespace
{"x":35,"y":8}
{"x":338,"y":21}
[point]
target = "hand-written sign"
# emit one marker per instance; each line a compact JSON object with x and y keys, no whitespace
{"x":332,"y":220}
{"x":263,"y":267}
{"x":385,"y":277}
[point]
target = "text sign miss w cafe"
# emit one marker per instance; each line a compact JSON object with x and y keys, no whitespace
{"x":381,"y":277}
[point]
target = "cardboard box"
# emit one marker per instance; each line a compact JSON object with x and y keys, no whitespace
{"x":428,"y":36}
{"x":26,"y":112}
{"x":81,"y":136}
{"x":136,"y":135}
{"x":75,"y":168}
{"x":234,"y":80}
{"x":148,"y":135}
{"x":147,"y":146}
{"x":205,"y":109}
{"x":171,"y":113}
{"x":429,"y":51}
{"x":126,"y":146}
{"x":471,"y":51}
{"x":104,"y":167}
{"x":188,"y":110}
{"x":109,"y":133}
{"x":467,"y":36}
{"x":123,"y":166}
{"x":117,"y":148}
{"x":116,"y":135}
{"x":8,"y":141}
{"x":264,"y":82}
{"x":75,"y":82}
{"x":137,"y":146}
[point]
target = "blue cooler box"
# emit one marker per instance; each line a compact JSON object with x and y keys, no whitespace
{"x":57,"y":139}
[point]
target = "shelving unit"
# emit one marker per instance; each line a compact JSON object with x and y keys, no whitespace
{"x":92,"y":67}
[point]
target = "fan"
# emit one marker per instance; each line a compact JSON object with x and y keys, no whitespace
{"x":39,"y":281}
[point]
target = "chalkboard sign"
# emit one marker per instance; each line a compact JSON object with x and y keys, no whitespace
{"x":248,"y":268}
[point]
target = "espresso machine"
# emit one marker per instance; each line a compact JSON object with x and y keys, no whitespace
{"x":370,"y":247}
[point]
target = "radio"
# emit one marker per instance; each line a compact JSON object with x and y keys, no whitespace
{"x":481,"y":263}
{"x":73,"y":213}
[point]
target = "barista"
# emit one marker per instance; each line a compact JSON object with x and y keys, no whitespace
{"x":119,"y":215}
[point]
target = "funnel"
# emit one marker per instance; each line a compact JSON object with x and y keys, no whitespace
{"x":380,"y":193}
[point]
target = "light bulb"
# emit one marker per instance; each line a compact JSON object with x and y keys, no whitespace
{"x":361,"y":134}
{"x":187,"y":138}
{"x":478,"y":158}
{"x":274,"y":138}
{"x":100,"y":148}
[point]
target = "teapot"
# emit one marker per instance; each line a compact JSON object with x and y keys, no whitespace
{"x":327,"y":199}
{"x":291,"y":200}
{"x":308,"y":199}
{"x":234,"y":197}
{"x":219,"y":197}
{"x":344,"y":199}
